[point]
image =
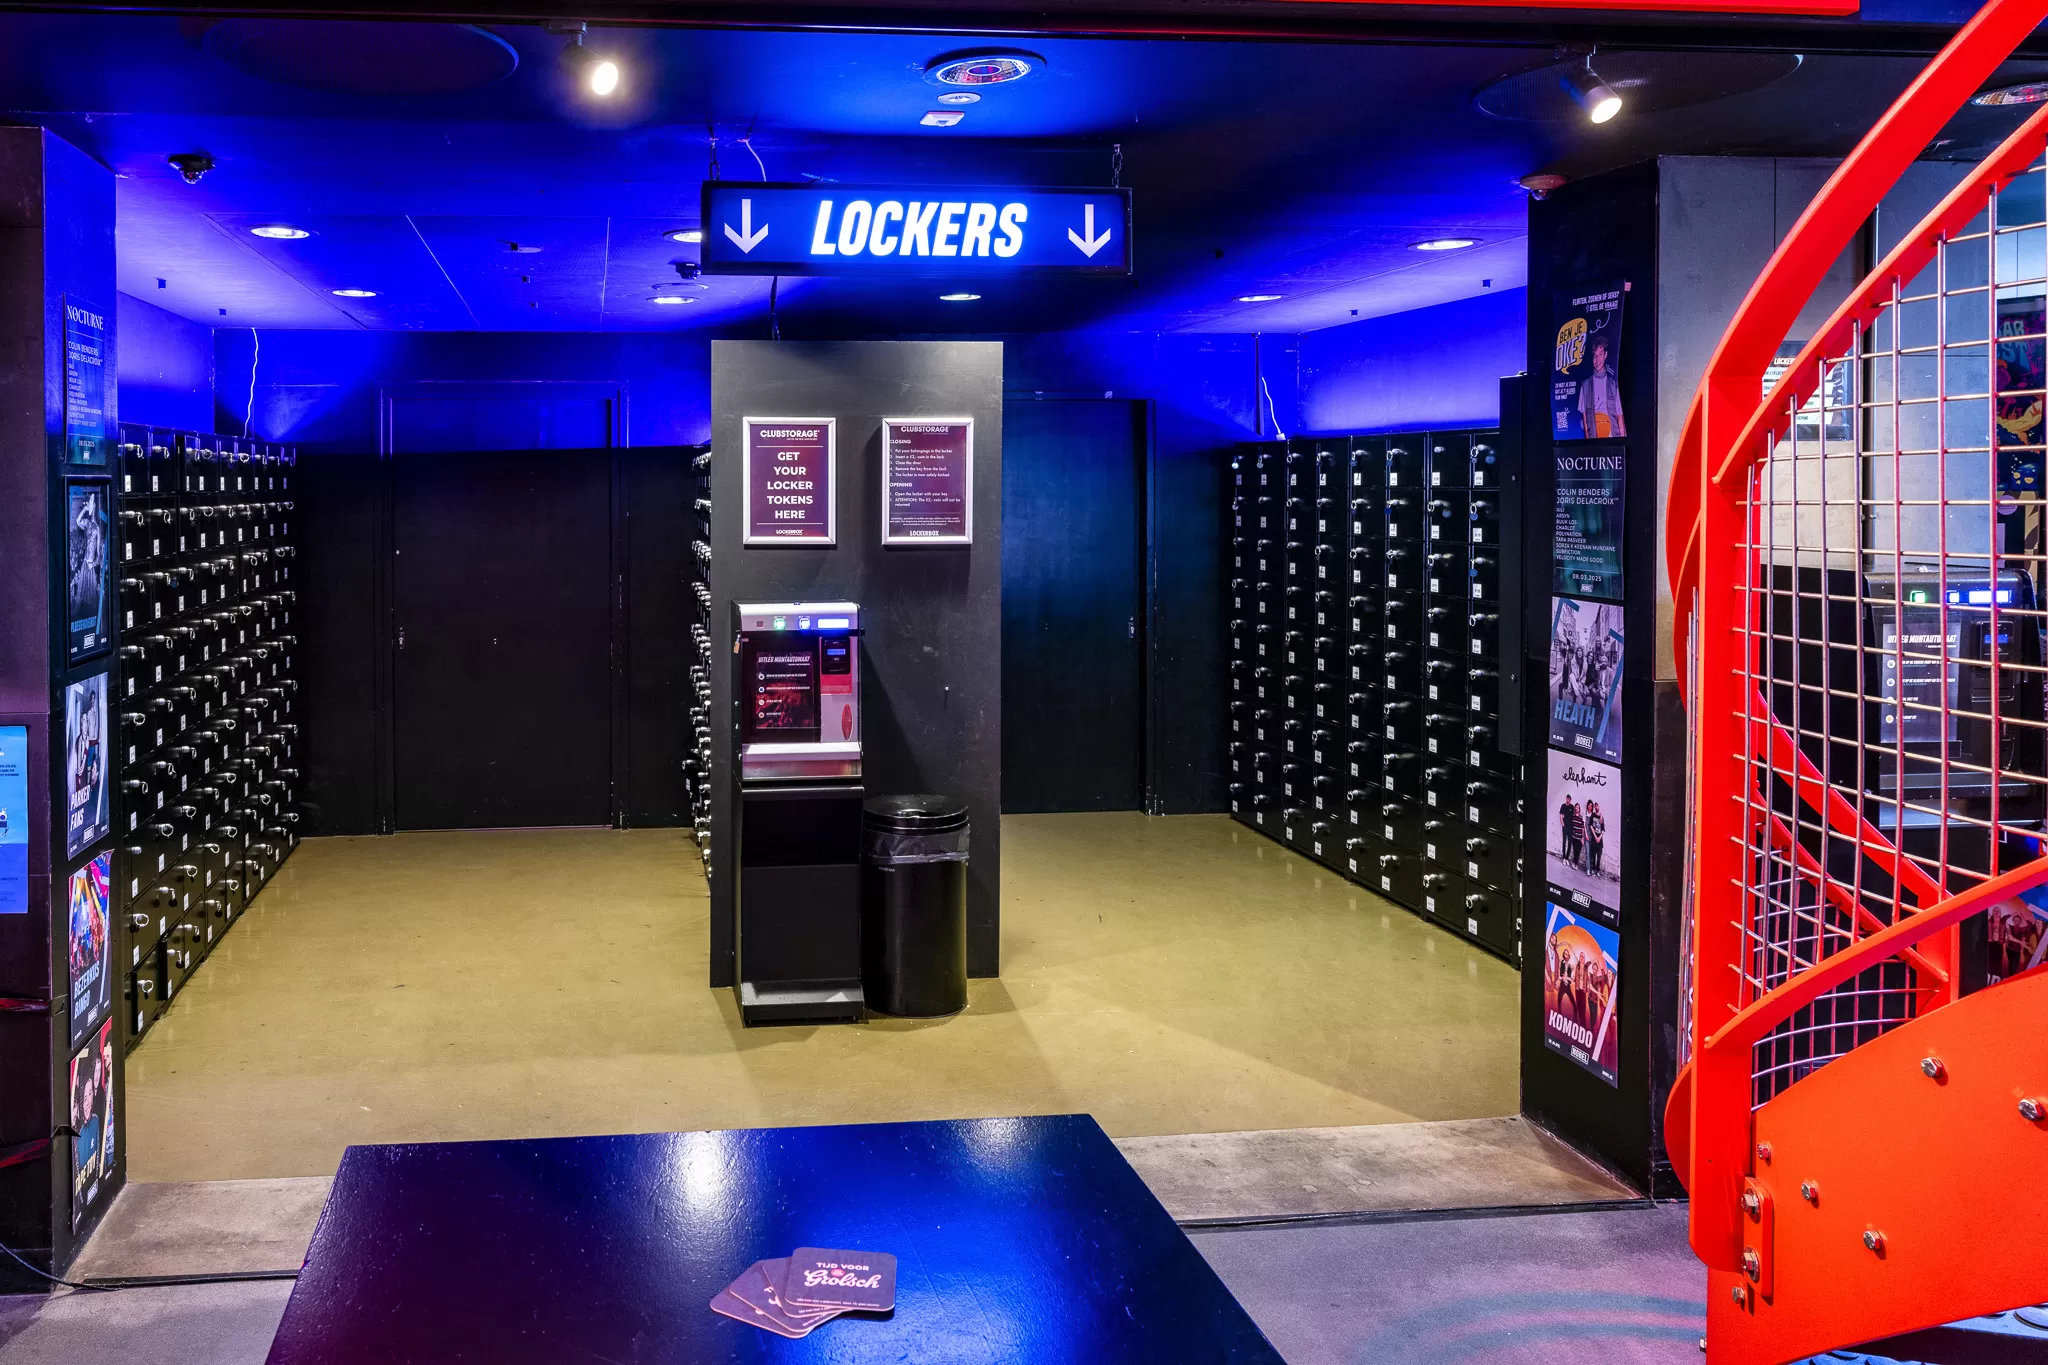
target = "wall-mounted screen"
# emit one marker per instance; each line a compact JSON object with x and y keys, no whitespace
{"x":13,"y":819}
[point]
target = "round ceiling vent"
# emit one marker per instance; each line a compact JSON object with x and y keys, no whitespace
{"x":1646,"y":81}
{"x":993,"y":67}
{"x":363,"y":58}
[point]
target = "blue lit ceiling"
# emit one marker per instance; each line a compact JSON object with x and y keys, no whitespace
{"x":1303,"y":170}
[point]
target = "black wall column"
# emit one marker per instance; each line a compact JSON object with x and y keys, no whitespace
{"x":932,"y":685}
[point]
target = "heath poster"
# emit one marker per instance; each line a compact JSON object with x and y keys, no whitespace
{"x":86,"y":585}
{"x":1586,"y":551}
{"x":13,"y":819}
{"x":1585,"y":677}
{"x":92,"y":1120}
{"x":1581,"y":970}
{"x":928,"y":481}
{"x":91,"y":981}
{"x":787,"y":481}
{"x":1582,"y":822}
{"x":1585,"y":377}
{"x":87,"y":813}
{"x":85,"y":383}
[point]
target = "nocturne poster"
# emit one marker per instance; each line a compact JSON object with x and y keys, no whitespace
{"x":1591,"y":495}
{"x":1585,"y":373}
{"x":1585,"y":677}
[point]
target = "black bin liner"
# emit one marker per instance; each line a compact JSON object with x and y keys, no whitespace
{"x":914,"y":905}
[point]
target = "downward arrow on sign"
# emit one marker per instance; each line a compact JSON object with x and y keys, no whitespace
{"x":747,"y":238}
{"x":1089,"y":244}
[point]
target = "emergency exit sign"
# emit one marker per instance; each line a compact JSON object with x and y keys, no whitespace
{"x":883,"y":230}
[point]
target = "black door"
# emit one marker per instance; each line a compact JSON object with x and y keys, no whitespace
{"x":502,"y":643}
{"x":1073,"y":710}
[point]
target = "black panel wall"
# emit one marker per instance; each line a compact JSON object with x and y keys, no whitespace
{"x":932,"y":685}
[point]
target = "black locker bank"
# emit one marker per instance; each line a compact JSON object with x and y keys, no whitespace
{"x":514,"y":530}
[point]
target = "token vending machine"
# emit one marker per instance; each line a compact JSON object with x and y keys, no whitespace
{"x":1364,"y":630}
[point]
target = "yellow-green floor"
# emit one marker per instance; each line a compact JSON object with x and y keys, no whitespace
{"x":1166,"y":975}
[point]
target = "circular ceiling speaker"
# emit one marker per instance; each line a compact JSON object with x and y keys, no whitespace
{"x":994,"y":66}
{"x":1646,"y":82}
{"x":349,"y":57}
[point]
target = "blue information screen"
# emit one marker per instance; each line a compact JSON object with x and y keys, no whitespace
{"x":884,"y":230}
{"x":13,"y":819}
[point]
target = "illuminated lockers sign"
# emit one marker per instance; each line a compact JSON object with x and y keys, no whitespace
{"x":760,"y":229}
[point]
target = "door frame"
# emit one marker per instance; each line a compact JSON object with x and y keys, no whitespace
{"x":384,"y":693}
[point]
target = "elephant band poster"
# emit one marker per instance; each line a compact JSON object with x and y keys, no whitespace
{"x":1581,"y":976}
{"x":1592,"y":493}
{"x":87,"y":566}
{"x":87,"y":811}
{"x":1582,"y":820}
{"x":92,"y":1121}
{"x":1585,"y":677}
{"x":1585,"y":374}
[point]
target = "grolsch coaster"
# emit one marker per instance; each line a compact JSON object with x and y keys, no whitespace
{"x":856,"y":1281}
{"x":732,"y":1306}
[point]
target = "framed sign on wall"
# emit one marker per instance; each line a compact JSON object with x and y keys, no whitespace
{"x":788,"y":481}
{"x":927,"y":480}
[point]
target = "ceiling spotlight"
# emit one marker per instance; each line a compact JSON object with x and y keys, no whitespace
{"x":959,"y":97}
{"x":686,"y":235}
{"x":1445,"y":244}
{"x":1594,"y":95}
{"x":671,"y":299}
{"x":1259,"y":298}
{"x":2032,"y":92}
{"x":958,"y":298}
{"x":998,"y":67}
{"x":278,"y":232}
{"x":941,"y":118}
{"x":596,"y":74}
{"x":353,"y":293}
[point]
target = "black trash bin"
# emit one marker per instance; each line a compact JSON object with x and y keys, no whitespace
{"x":913,"y":905}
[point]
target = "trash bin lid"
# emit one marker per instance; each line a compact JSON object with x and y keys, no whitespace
{"x":922,"y":814}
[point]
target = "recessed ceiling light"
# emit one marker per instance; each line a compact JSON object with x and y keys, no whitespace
{"x":671,"y":299}
{"x":959,"y":97}
{"x":2030,"y":92}
{"x":1259,"y":298}
{"x":983,"y":68}
{"x":941,"y":118}
{"x":354,"y":293}
{"x":684,"y":234}
{"x":1445,"y":244}
{"x":279,"y":232}
{"x":958,"y":298}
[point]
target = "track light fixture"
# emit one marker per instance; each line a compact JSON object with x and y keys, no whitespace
{"x":1594,"y":95}
{"x":596,"y":74}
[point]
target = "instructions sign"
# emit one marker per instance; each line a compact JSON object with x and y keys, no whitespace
{"x":85,"y":383}
{"x":788,"y":481}
{"x":817,"y":229}
{"x":928,"y":481}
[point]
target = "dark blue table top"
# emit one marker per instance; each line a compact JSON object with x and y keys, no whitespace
{"x":1027,"y":1239}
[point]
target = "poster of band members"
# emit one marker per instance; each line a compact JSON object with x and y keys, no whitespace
{"x":2016,"y":935}
{"x":91,"y":981}
{"x":2022,"y":375}
{"x":1585,"y":378}
{"x":13,"y":819}
{"x":1585,"y":677}
{"x":87,"y":814}
{"x":92,"y":1119}
{"x":1581,"y":970}
{"x":1591,"y":492}
{"x":87,"y":560}
{"x":1582,"y":834}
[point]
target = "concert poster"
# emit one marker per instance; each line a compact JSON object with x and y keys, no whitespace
{"x":1585,"y":677}
{"x":2016,"y":935}
{"x":91,"y":979}
{"x":2021,"y":378}
{"x":1591,"y":499}
{"x":87,"y":567}
{"x":87,"y":810}
{"x":1581,"y":979}
{"x":1582,"y":824}
{"x":1585,"y":376}
{"x":92,"y":1121}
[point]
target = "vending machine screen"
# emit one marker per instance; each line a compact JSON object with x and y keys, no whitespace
{"x":781,"y":673}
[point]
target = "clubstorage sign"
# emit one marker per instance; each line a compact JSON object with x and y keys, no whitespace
{"x":756,"y":229}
